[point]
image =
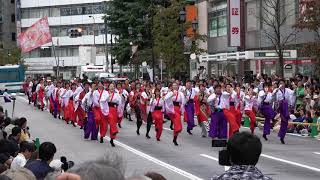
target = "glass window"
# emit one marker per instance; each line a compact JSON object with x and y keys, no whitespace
{"x":44,"y":12}
{"x":213,"y":27}
{"x":54,"y":12}
{"x":46,"y":52}
{"x":25,"y":13}
{"x":222,"y":26}
{"x":13,"y":36}
{"x":34,"y":13}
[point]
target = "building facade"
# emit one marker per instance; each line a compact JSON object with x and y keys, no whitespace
{"x":63,"y":15}
{"x":7,"y":25}
{"x":256,"y":53}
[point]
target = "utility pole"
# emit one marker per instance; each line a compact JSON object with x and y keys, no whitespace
{"x":106,"y":46}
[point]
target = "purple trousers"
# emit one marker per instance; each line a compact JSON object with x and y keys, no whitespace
{"x":218,"y":125}
{"x":284,"y":114}
{"x":90,"y":127}
{"x":190,"y":115}
{"x":269,"y":114}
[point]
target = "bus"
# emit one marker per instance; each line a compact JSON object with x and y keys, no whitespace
{"x":91,"y":71}
{"x":11,"y":78}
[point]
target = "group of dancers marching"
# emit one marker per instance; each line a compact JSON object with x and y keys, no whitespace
{"x":101,"y":106}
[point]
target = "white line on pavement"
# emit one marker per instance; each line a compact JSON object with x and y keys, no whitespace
{"x":226,"y":168}
{"x":318,"y":153}
{"x":152,"y":159}
{"x":292,"y":163}
{"x":157,"y":161}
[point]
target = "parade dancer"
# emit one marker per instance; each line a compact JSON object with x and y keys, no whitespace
{"x":145,"y":108}
{"x":175,"y":102}
{"x":56,"y":101}
{"x":79,"y":112}
{"x":250,"y":100}
{"x":218,"y":124}
{"x":284,"y":97}
{"x":70,"y":107}
{"x":30,"y":91}
{"x":101,"y":109}
{"x":40,"y":94}
{"x":265,"y":99}
{"x":238,"y":100}
{"x":189,"y":107}
{"x":157,"y":108}
{"x":87,"y":104}
{"x":65,"y":98}
{"x":34,"y":93}
{"x":113,"y":102}
{"x":202,"y":109}
{"x":134,"y":101}
{"x":121,"y":107}
{"x":51,"y":87}
{"x":228,"y":101}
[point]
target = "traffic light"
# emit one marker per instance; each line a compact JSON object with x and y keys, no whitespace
{"x":75,"y":32}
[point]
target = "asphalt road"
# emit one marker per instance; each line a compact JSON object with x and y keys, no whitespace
{"x":298,"y":159}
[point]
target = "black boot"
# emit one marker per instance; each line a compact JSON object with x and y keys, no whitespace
{"x":73,"y":124}
{"x":112,"y":143}
{"x":147,"y":135}
{"x":171,"y":126}
{"x":158,"y":139}
{"x":282,"y":141}
{"x":119,"y":125}
{"x":81,"y":127}
{"x":265,"y":137}
{"x":189,"y":132}
{"x":175,"y":141}
{"x":138,"y":133}
{"x":101,"y":139}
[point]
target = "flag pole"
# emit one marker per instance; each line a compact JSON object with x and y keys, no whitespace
{"x":55,"y":57}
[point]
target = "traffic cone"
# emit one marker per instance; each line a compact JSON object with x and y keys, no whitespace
{"x":246,"y":122}
{"x":314,"y":128}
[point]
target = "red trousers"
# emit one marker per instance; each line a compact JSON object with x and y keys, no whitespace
{"x":231,"y":118}
{"x":71,"y":112}
{"x":51,"y":104}
{"x":176,"y":120}
{"x":237,"y":114}
{"x":112,"y":121}
{"x":80,"y":114}
{"x":101,"y":121}
{"x":158,"y":122}
{"x":252,"y":117}
{"x":143,"y":109}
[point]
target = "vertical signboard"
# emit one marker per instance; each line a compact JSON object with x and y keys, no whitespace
{"x":234,"y":31}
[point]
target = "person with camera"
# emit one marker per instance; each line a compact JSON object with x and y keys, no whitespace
{"x":242,"y":154}
{"x":25,"y":153}
{"x":40,"y":167}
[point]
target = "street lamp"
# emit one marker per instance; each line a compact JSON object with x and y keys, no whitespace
{"x":130,"y":30}
{"x":182,"y":16}
{"x":94,"y":30}
{"x":139,"y":37}
{"x":194,"y":25}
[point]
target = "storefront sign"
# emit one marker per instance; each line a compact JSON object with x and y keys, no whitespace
{"x":234,"y":23}
{"x":272,"y":62}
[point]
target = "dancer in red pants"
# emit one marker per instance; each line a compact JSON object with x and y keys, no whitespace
{"x":157,"y":108}
{"x":175,"y":103}
{"x":113,"y":102}
{"x":250,"y":100}
{"x":40,"y":94}
{"x":101,"y":109}
{"x":79,"y":114}
{"x":121,"y":107}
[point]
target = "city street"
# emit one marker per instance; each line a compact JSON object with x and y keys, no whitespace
{"x":194,"y":158}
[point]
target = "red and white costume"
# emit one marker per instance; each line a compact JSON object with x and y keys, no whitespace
{"x":121,"y":106}
{"x":113,"y":102}
{"x":40,"y":95}
{"x":250,"y":101}
{"x":174,"y":103}
{"x":79,"y":112}
{"x":157,"y":109}
{"x":101,"y":110}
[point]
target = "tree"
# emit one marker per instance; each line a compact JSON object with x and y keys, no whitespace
{"x":169,"y":44}
{"x":309,"y":19}
{"x":275,"y":14}
{"x":11,"y":56}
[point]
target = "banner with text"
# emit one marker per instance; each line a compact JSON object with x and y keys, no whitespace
{"x":234,"y":32}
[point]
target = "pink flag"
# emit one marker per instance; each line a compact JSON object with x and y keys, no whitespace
{"x":35,"y":36}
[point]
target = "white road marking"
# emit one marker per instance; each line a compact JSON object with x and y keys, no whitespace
{"x":292,"y":163}
{"x":150,"y":158}
{"x":156,"y":161}
{"x":226,"y":168}
{"x":318,"y":153}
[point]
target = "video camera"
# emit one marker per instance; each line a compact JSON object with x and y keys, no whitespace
{"x":224,"y":155}
{"x":66,"y":164}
